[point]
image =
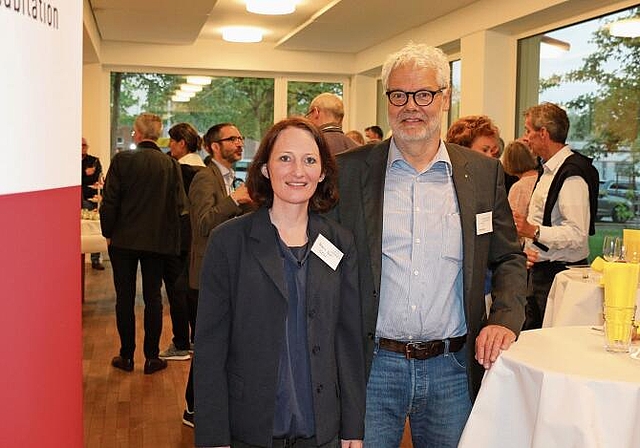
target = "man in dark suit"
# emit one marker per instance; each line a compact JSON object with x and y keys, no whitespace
{"x":429,"y":218}
{"x":140,"y":217}
{"x":214,"y":199}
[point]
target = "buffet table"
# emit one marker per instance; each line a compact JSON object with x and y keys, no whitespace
{"x":91,"y":241}
{"x":576,"y":298}
{"x":558,"y":387}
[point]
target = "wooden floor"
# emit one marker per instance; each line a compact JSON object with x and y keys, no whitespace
{"x":129,"y":409}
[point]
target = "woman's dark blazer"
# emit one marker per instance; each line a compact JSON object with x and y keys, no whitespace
{"x":240,"y":332}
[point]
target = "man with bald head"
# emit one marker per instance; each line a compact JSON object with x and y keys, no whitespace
{"x":326,"y":111}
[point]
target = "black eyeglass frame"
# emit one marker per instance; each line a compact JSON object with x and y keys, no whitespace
{"x":433,"y":94}
{"x":231,"y":139}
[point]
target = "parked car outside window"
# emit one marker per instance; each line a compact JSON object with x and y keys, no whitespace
{"x":622,"y":189}
{"x":619,"y":209}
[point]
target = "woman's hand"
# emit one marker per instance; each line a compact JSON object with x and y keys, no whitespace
{"x":351,"y":443}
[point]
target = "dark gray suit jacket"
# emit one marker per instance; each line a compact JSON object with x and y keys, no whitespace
{"x":210,"y":206}
{"x":479,"y":184}
{"x":143,"y":200}
{"x":240,"y":332}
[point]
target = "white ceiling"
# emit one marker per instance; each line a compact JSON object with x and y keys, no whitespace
{"x":348,"y":26}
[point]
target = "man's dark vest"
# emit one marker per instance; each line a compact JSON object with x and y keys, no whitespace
{"x":574,"y":165}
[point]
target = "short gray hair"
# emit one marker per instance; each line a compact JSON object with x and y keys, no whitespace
{"x":420,"y":56}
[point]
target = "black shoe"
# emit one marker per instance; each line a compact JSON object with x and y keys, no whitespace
{"x":97,"y":266}
{"x":122,"y":363}
{"x":187,"y":418}
{"x":153,"y":365}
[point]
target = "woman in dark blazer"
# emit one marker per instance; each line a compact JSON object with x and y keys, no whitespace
{"x":279,"y":357}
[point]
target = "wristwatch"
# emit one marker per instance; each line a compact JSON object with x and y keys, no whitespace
{"x":536,"y":235}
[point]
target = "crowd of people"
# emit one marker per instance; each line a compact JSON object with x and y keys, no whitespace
{"x":346,"y":286}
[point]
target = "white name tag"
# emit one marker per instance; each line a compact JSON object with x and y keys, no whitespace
{"x":484,"y":223}
{"x":327,"y":252}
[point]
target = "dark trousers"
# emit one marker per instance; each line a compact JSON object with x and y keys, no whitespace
{"x":188,"y":393}
{"x":125,"y":266}
{"x":541,"y":278}
{"x":291,"y":443}
{"x":182,"y":299}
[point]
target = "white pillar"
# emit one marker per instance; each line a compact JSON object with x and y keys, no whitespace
{"x":488,"y":77}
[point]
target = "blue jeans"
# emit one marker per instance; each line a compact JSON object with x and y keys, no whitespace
{"x":433,"y":393}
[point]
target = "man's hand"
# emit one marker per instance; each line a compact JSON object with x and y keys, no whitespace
{"x":524,"y":227}
{"x":241,"y":195}
{"x":532,"y":256}
{"x":491,"y":340}
{"x":351,"y":443}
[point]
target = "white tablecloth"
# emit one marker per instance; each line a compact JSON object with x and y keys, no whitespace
{"x":574,"y":300}
{"x":556,"y":388}
{"x":91,"y":239}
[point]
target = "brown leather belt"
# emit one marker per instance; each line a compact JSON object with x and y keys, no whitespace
{"x":422,"y":350}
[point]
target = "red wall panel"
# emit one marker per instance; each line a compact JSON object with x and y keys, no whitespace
{"x":41,"y":319}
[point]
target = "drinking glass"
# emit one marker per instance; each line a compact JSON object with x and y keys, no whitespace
{"x":612,"y":248}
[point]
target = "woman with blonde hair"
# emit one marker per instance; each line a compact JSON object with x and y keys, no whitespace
{"x":519,"y":161}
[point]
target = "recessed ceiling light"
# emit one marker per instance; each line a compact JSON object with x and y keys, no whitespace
{"x":625,"y":28}
{"x":190,"y":88}
{"x":551,"y":48}
{"x":199,"y":80}
{"x":271,"y":7}
{"x":183,"y":94}
{"x":245,"y":34}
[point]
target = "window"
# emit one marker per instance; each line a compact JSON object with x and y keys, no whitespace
{"x":594,"y":76}
{"x":246,"y":102}
{"x":454,"y":110}
{"x":300,"y":94}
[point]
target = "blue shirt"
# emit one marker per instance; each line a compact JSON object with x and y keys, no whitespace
{"x":294,"y":415}
{"x":421,"y":286}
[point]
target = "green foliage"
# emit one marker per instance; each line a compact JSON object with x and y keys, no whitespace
{"x":610,"y":116}
{"x":246,"y":102}
{"x":301,"y":93}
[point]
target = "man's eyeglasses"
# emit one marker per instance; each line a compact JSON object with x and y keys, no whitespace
{"x":234,"y":139}
{"x":420,"y":97}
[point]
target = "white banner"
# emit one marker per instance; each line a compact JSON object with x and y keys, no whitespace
{"x":40,"y":94}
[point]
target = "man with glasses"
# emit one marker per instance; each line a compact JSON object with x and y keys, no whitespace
{"x":326,"y":112}
{"x":429,"y":218}
{"x":215,"y":196}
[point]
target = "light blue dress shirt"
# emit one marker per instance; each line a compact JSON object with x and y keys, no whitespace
{"x":421,"y":286}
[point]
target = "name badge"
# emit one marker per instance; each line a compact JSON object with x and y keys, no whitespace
{"x":327,"y":252}
{"x":484,"y":223}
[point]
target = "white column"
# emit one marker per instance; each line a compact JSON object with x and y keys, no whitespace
{"x":488,"y":78}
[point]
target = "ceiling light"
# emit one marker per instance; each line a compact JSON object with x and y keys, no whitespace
{"x":190,"y":88}
{"x":179,"y":99}
{"x":244,"y":34}
{"x":553,"y":48}
{"x":183,"y":94}
{"x":199,"y":80}
{"x":625,"y":28}
{"x":271,"y":7}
